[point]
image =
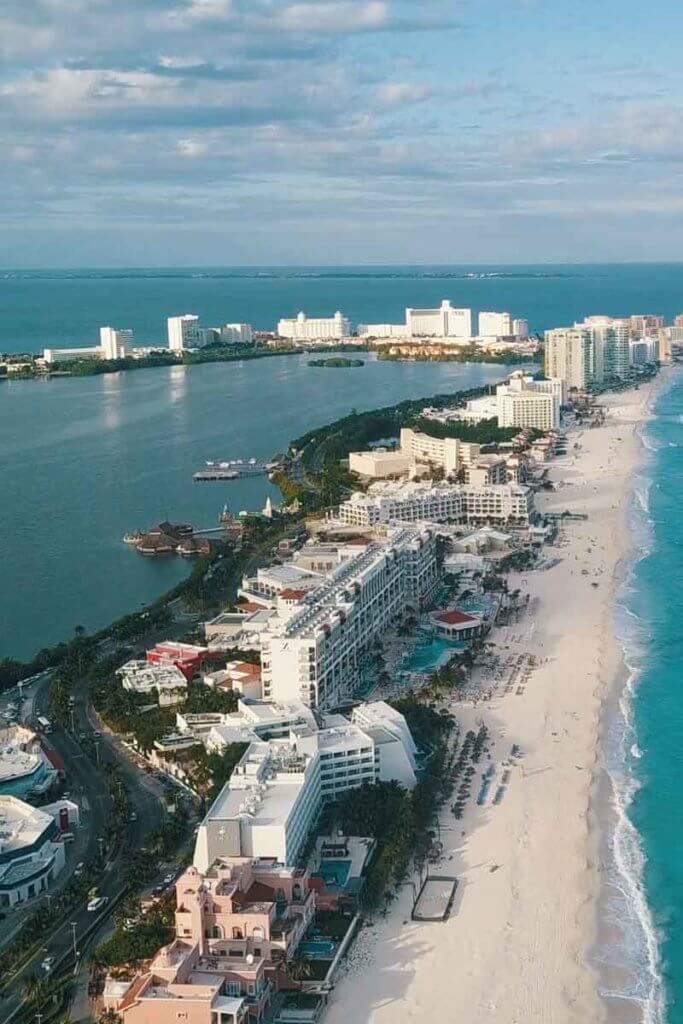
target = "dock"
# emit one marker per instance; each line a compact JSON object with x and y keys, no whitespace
{"x":233,"y":470}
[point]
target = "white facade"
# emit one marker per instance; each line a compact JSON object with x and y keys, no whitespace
{"x":69,"y":355}
{"x":520,"y":328}
{"x":440,"y":503}
{"x":570,"y":355}
{"x":449,"y":453}
{"x":302,"y":328}
{"x":444,"y":322}
{"x":593,"y":352}
{"x":115,"y":344}
{"x":495,"y":325}
{"x":184,"y":332}
{"x":527,"y":409}
{"x":273,"y":798}
{"x":166,"y":681}
{"x":236,"y":334}
{"x":382,"y":330}
{"x":313,"y":654}
{"x":31,"y":855}
{"x":379,"y":464}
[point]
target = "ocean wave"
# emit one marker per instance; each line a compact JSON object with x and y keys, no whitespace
{"x":637,"y":949}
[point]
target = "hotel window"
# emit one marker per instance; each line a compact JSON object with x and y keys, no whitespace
{"x":232,"y":988}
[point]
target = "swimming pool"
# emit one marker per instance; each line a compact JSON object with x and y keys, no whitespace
{"x":335,"y":872}
{"x":429,"y":656}
{"x":318,"y":948}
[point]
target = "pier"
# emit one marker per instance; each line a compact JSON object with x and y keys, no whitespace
{"x":233,"y":470}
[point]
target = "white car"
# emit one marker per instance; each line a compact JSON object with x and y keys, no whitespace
{"x":97,"y":904}
{"x":47,"y":963}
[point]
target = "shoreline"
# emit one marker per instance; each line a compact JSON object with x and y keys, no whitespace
{"x":520,"y":945}
{"x":618,"y":954}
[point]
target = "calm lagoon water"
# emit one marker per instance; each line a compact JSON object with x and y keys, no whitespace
{"x":85,"y":460}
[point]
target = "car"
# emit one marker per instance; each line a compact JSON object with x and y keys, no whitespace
{"x":79,"y":869}
{"x":133,"y":816}
{"x":97,"y":735}
{"x":97,"y":904}
{"x":47,"y":963}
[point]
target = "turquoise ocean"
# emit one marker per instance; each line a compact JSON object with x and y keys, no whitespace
{"x":642,"y":748}
{"x":81,"y":461}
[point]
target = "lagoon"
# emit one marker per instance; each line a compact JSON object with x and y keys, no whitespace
{"x":84,"y":460}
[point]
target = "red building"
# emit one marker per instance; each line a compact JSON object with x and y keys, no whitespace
{"x":187,"y":657}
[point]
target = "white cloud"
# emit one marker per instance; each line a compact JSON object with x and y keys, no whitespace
{"x":393,"y":94}
{"x":208,"y":10}
{"x":191,"y":147}
{"x":340,"y":16}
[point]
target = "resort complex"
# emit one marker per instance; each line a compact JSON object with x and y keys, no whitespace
{"x":321,"y":734}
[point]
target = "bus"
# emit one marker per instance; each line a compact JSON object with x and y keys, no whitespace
{"x":44,"y":724}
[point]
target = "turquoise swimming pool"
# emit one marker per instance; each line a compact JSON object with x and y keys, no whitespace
{"x":318,"y":948}
{"x":429,"y":656}
{"x":335,"y":872}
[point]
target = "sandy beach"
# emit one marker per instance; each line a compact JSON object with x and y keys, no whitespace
{"x":516,"y":948}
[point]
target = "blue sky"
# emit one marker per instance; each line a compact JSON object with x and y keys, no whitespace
{"x":179,"y":132}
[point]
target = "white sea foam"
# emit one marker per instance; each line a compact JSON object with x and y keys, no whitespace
{"x":627,"y":908}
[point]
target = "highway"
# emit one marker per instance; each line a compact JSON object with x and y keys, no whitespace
{"x":86,"y":786}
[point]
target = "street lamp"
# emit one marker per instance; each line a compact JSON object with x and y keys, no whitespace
{"x":73,"y":935}
{"x":97,"y":752}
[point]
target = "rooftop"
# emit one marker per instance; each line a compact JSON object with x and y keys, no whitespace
{"x":456,"y":618}
{"x":21,"y":825}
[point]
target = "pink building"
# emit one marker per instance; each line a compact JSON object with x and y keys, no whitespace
{"x":187,"y":657}
{"x":233,"y":925}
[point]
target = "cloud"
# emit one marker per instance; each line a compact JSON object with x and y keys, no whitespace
{"x":192,"y":147}
{"x":393,"y":94}
{"x":341,"y":16}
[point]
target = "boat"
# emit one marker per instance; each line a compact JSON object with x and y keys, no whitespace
{"x":132,"y":538}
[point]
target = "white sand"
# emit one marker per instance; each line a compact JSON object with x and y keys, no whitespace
{"x":515,"y":948}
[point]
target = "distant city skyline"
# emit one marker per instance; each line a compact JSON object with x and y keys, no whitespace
{"x":338,"y":132}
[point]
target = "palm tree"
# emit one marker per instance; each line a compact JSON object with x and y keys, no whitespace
{"x":109,"y":1016}
{"x":35,"y":989}
{"x":299,"y":969}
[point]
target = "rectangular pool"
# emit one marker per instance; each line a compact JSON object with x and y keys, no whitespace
{"x":335,"y":872}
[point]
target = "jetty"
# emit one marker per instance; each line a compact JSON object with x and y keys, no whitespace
{"x":235,"y":469}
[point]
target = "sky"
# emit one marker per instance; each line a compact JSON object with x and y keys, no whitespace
{"x":278,"y":132}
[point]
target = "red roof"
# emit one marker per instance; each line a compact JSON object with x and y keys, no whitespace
{"x":455,"y":618}
{"x":250,"y":606}
{"x":245,"y":668}
{"x":291,"y":594}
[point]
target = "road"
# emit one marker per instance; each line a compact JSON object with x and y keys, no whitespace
{"x":87,"y":787}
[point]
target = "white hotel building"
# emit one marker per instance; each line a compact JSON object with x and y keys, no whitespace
{"x":275,"y":794}
{"x":303,"y":328}
{"x":439,"y":503}
{"x":115,"y":344}
{"x":313,"y":651}
{"x":184,"y":332}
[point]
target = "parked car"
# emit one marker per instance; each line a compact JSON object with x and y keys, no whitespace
{"x":47,"y":963}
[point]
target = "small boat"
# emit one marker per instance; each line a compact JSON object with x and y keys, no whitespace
{"x":132,"y":538}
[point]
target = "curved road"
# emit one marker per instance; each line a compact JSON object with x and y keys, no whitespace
{"x":88,"y":789}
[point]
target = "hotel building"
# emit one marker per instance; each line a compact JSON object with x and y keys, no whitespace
{"x":570,"y":355}
{"x":313,"y":652}
{"x":593,"y":352}
{"x":233,"y":923}
{"x":115,"y":344}
{"x":439,"y":503}
{"x":184,"y":332}
{"x":495,"y":325}
{"x":302,"y":328}
{"x":31,"y":853}
{"x":449,"y":453}
{"x":272,"y":800}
